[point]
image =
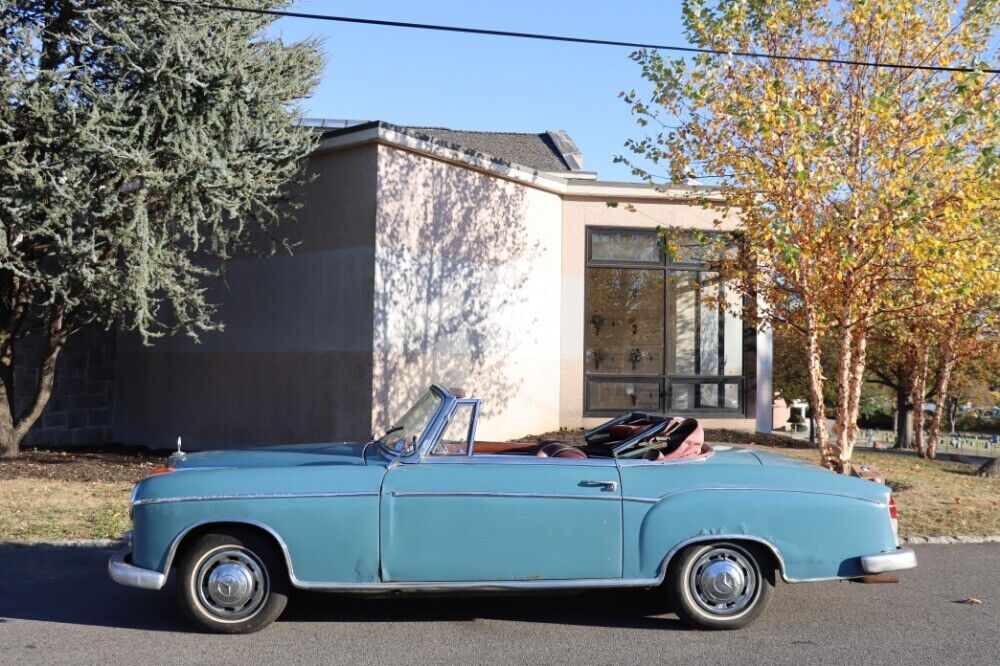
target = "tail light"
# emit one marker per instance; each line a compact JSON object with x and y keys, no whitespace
{"x":893,"y":515}
{"x":160,"y":470}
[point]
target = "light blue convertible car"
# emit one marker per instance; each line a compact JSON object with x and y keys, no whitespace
{"x":427,"y":508}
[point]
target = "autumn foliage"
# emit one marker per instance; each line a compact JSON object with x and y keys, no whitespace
{"x":868,"y":195}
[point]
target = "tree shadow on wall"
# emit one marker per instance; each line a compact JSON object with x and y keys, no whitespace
{"x":455,"y":302}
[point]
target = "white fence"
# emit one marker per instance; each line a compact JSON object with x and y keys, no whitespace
{"x":961,"y":443}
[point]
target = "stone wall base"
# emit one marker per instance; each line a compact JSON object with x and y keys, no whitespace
{"x":80,"y":410}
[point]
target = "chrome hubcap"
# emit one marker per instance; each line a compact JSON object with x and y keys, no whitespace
{"x":232,"y":583}
{"x":723,"y":581}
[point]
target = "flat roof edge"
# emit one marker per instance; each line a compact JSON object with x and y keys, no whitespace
{"x":387,"y":133}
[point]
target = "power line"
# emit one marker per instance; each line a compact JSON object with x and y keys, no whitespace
{"x":567,"y":39}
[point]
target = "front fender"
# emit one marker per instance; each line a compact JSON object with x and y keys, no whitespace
{"x":326,"y":521}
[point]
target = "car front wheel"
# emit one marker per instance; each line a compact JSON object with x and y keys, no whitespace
{"x":232,"y":582}
{"x":721,"y":585}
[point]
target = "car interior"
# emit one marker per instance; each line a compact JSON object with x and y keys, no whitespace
{"x":635,"y":435}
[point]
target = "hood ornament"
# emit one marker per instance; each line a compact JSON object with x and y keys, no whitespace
{"x":177,"y":456}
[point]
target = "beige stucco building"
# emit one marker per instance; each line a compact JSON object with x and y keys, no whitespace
{"x":487,"y":261}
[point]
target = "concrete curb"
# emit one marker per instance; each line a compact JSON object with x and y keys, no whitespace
{"x":909,"y":541}
{"x":70,"y":543}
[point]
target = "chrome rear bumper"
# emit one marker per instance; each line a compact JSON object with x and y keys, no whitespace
{"x":122,"y":571}
{"x":898,"y":560}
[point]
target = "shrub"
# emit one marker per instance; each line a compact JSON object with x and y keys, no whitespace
{"x":971,"y":423}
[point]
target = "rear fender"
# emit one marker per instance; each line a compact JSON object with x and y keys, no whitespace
{"x":812,"y":535}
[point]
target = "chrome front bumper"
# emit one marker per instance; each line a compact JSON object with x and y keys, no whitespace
{"x":898,"y":560}
{"x":122,"y":571}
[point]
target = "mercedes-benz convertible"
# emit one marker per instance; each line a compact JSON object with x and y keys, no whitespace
{"x":426,"y":507}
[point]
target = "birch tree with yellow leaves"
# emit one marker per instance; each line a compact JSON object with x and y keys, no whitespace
{"x":949,"y":334}
{"x":867,"y":194}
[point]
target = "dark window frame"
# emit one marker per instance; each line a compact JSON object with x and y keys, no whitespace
{"x":666,"y":379}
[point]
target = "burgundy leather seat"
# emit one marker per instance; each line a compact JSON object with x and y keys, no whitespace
{"x":681,"y":439}
{"x":559,"y":450}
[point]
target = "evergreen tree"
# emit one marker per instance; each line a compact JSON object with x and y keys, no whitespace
{"x":141,"y":145}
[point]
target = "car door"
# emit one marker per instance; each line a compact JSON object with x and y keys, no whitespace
{"x":452,"y":517}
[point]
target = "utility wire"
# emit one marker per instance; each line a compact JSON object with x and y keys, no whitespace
{"x":564,"y":38}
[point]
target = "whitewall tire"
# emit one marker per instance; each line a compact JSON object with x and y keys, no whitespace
{"x":721,"y":585}
{"x":232,"y":582}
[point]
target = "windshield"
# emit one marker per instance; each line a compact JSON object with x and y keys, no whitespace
{"x":402,"y":438}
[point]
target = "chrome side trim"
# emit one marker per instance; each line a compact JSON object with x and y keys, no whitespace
{"x":632,"y":462}
{"x":642,"y":500}
{"x":472,"y":493}
{"x":376,"y":587}
{"x":520,"y":459}
{"x":897,"y":560}
{"x":198,"y":469}
{"x":515,"y":459}
{"x":479,"y":586}
{"x":124,"y":572}
{"x":762,"y":489}
{"x":210,"y":498}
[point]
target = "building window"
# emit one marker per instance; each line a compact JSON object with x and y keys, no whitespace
{"x":662,"y":333}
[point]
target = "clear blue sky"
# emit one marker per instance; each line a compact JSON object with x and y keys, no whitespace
{"x":411,"y":77}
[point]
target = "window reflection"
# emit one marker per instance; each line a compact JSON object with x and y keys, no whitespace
{"x":672,"y":322}
{"x":706,"y":338}
{"x":683,"y":324}
{"x":624,"y":321}
{"x":624,"y":396}
{"x":630,"y":246}
{"x":715,"y":395}
{"x":732,"y":360}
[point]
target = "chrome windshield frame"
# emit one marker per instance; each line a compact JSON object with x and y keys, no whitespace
{"x":440,"y":422}
{"x":448,"y":414}
{"x":431,"y":430}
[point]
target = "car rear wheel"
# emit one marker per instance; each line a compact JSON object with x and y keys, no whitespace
{"x":232,"y":582}
{"x":721,"y":585}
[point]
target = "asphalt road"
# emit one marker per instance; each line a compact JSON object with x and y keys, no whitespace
{"x":58,"y":606}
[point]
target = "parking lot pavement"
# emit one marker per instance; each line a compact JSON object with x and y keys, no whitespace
{"x":57,"y":605}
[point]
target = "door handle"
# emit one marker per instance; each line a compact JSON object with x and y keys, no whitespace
{"x":610,"y":486}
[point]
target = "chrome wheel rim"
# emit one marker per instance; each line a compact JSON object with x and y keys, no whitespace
{"x":231,"y":584}
{"x":724,"y":581}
